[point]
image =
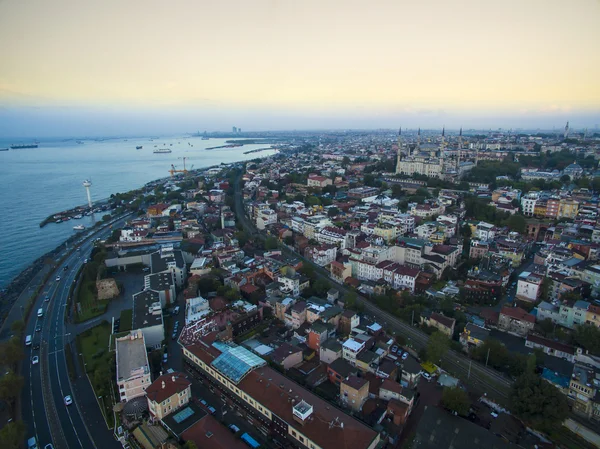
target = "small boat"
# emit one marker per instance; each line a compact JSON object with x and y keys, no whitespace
{"x":139,"y":147}
{"x":80,"y":142}
{"x":58,"y":221}
{"x":78,"y":217}
{"x":79,"y":228}
{"x":162,"y":150}
{"x":3,"y":149}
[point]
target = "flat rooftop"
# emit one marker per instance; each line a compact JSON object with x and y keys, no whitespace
{"x":131,"y":355}
{"x":142,"y":316}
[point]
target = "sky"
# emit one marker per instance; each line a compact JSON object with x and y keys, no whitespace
{"x":133,"y":67}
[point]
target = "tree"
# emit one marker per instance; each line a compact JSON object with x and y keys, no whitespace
{"x":270,"y":243}
{"x":332,"y":212}
{"x":11,"y":352}
{"x":457,"y":400}
{"x":106,"y":217}
{"x":537,"y":402}
{"x":289,"y":240}
{"x":18,"y":327}
{"x":10,"y":387}
{"x":437,"y":346}
{"x":516,"y":223}
{"x":588,"y":336}
{"x":565,"y":179}
{"x":350,"y":300}
{"x":190,"y":445}
{"x":12,"y":435}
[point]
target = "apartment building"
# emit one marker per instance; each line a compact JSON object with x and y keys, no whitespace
{"x":354,"y":391}
{"x":516,"y":321}
{"x":133,"y":370}
{"x":167,"y":394}
{"x":279,"y":407}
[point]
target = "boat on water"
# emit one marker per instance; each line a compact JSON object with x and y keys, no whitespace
{"x":79,"y":142}
{"x":3,"y":149}
{"x":205,"y":138}
{"x":139,"y":147}
{"x":79,"y":228}
{"x":162,"y":150}
{"x":78,"y":217}
{"x":20,"y":147}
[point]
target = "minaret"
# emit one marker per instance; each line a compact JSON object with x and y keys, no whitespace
{"x":418,"y":140}
{"x":443,"y":143}
{"x":566,"y":130}
{"x":399,"y":153}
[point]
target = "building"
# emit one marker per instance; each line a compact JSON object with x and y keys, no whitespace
{"x":279,"y":407}
{"x":164,"y":284}
{"x":287,"y":356}
{"x":167,"y":394}
{"x":338,"y":370}
{"x":529,"y":286}
{"x":330,"y":350}
{"x":348,"y":321}
{"x":265,"y":218}
{"x":551,"y":347}
{"x":516,"y":320}
{"x":133,"y":370}
{"x":583,"y":391}
{"x":351,"y":348}
{"x":147,"y":316}
{"x":169,"y":259}
{"x":389,"y":390}
{"x":354,"y":391}
{"x":442,"y":323}
{"x":318,"y":181}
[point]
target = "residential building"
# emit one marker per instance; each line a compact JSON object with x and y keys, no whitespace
{"x":330,"y":350}
{"x":442,"y":323}
{"x":169,"y":259}
{"x":390,"y":389}
{"x":147,"y":316}
{"x":338,"y":370}
{"x":351,"y":348}
{"x":552,"y":347}
{"x":348,"y":321}
{"x":167,"y":394}
{"x":318,"y":181}
{"x":265,"y":218}
{"x":268,"y":395}
{"x":287,"y":356}
{"x":583,"y":391}
{"x":133,"y":370}
{"x":529,"y":286}
{"x":162,"y":283}
{"x":516,"y":321}
{"x":354,"y":391}
{"x":474,"y":335}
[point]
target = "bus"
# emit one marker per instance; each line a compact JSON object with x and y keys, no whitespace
{"x":250,"y":441}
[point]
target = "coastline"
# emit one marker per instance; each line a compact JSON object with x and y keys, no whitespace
{"x":10,"y":293}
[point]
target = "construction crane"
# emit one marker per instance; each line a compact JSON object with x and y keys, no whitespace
{"x":174,"y":170}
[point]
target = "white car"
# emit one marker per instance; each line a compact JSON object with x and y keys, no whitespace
{"x":405,"y":356}
{"x":57,"y":278}
{"x":68,"y":400}
{"x":426,"y":376}
{"x":35,"y":360}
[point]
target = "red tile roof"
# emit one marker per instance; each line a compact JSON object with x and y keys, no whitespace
{"x":517,"y":313}
{"x":218,"y":438}
{"x":166,"y":386}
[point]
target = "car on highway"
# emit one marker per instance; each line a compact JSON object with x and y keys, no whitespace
{"x":68,"y":400}
{"x":48,"y":446}
{"x":65,"y":268}
{"x":38,"y":328}
{"x":35,"y":360}
{"x":32,"y":443}
{"x":36,"y":346}
{"x":57,"y":278}
{"x":28,"y":340}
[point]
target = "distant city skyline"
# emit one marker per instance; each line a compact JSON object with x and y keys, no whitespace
{"x":118,"y":67}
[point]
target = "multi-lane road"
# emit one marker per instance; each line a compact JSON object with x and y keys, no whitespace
{"x":482,"y":379}
{"x":47,"y":382}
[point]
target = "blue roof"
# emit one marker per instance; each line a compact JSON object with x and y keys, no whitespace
{"x":555,"y":378}
{"x":235,"y":361}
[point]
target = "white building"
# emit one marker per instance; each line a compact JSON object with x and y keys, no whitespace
{"x":529,"y":286}
{"x":528,"y":204}
{"x":265,"y":218}
{"x":485,"y":231}
{"x":196,"y":309}
{"x":321,"y":255}
{"x":332,"y":236}
{"x":133,"y":370}
{"x":350,"y":350}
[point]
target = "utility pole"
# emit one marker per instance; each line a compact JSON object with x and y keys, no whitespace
{"x":412,"y":320}
{"x":487,"y":357}
{"x":469,"y":373}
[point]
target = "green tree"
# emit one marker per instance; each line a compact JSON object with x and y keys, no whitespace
{"x":457,"y":400}
{"x":270,"y":243}
{"x":332,"y":212}
{"x":350,"y":300}
{"x":289,"y":240}
{"x":516,"y":223}
{"x":588,"y":336}
{"x":106,"y":217}
{"x":12,"y":435}
{"x":242,"y":238}
{"x":538,"y":403}
{"x":11,"y":352}
{"x":18,"y":327}
{"x":10,"y":387}
{"x":190,"y":445}
{"x":437,"y":346}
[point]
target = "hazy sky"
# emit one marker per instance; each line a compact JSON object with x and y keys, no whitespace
{"x":93,"y":67}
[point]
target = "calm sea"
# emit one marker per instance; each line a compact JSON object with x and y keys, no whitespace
{"x":37,"y":182}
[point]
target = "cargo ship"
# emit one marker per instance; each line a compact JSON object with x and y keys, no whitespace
{"x":20,"y":147}
{"x":162,"y":150}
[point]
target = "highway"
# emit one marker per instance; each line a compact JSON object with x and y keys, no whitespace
{"x":480,"y":379}
{"x":48,"y":382}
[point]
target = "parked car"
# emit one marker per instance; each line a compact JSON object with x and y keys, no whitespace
{"x":212,"y":410}
{"x":405,"y":356}
{"x":203,"y":402}
{"x":68,"y":400}
{"x":165,"y":358}
{"x":234,"y":428}
{"x":176,"y":310}
{"x":426,"y":376}
{"x":394,"y":349}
